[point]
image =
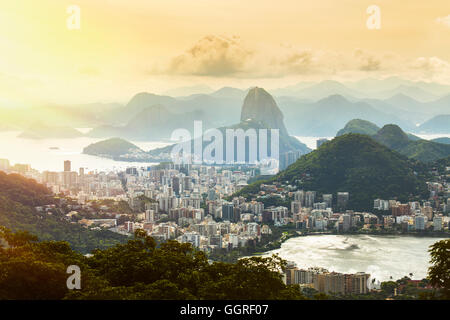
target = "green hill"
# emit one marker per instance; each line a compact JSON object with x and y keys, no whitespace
{"x":112,"y":148}
{"x":354,"y":163}
{"x":443,"y":140}
{"x":393,"y":137}
{"x":366,"y":127}
{"x":18,"y":198}
{"x":442,"y":165}
{"x":359,"y":126}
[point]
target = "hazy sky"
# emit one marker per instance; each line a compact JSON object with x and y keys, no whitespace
{"x":127,"y":46}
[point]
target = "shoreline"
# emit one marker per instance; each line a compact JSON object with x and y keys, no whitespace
{"x":344,"y":254}
{"x":299,"y":234}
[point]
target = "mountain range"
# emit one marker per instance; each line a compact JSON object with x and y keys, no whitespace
{"x":437,"y":124}
{"x":151,"y":123}
{"x":368,"y":88}
{"x":39,"y":130}
{"x":325,"y":117}
{"x":393,"y":137}
{"x":396,"y":139}
{"x":259,"y":111}
{"x":310,"y":109}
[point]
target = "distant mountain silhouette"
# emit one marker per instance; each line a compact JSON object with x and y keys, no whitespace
{"x":229,"y":92}
{"x":411,"y":91}
{"x":437,"y":124}
{"x":326,"y":88}
{"x":39,"y":130}
{"x":327,"y":116}
{"x":151,"y":123}
{"x":259,"y":111}
{"x":443,"y":140}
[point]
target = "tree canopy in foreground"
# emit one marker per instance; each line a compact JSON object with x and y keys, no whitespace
{"x":138,"y":269}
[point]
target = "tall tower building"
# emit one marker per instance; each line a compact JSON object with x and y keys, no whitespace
{"x":67,"y":166}
{"x":176,"y":185}
{"x":328,"y":199}
{"x":342,"y":200}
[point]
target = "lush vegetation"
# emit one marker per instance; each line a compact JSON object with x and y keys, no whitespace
{"x":442,"y":164}
{"x":439,"y":272}
{"x":121,"y":207}
{"x":356,"y":164}
{"x":396,"y":139}
{"x":393,"y":137}
{"x":18,"y":198}
{"x":138,"y":269}
{"x":359,"y":126}
{"x":114,"y":148}
{"x":141,"y":269}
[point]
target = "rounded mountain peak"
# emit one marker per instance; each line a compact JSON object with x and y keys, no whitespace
{"x":259,"y":105}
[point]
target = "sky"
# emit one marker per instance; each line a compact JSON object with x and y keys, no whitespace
{"x":127,"y":46}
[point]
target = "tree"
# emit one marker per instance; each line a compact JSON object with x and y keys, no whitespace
{"x":34,"y":270}
{"x":439,"y":272}
{"x":388,"y":287}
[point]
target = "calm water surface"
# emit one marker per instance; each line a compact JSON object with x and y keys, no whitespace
{"x":381,"y":256}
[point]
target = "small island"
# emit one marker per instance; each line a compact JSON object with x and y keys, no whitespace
{"x":122,"y":150}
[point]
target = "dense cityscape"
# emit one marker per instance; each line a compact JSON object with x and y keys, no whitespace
{"x":194,"y":204}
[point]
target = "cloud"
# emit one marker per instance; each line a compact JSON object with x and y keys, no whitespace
{"x":295,"y":61}
{"x":215,"y":56}
{"x":371,"y":64}
{"x":367,"y":62}
{"x":228,"y":57}
{"x":220,"y":56}
{"x":432,"y":67}
{"x":444,"y":21}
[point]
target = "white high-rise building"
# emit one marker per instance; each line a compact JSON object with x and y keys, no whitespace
{"x":419,"y":222}
{"x":437,"y":223}
{"x":192,"y":238}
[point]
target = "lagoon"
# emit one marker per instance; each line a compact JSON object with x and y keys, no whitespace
{"x":382,"y":256}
